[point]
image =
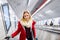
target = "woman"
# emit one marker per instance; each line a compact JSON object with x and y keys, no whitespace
{"x":25,"y":28}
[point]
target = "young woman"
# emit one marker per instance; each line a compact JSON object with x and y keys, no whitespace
{"x":25,"y":28}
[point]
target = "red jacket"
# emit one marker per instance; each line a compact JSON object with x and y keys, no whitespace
{"x":23,"y":32}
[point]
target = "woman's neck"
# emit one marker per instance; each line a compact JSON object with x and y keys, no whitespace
{"x":27,"y":20}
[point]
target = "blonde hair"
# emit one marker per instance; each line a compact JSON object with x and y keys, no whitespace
{"x":23,"y":19}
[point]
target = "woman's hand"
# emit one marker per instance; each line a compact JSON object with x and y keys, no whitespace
{"x":7,"y":37}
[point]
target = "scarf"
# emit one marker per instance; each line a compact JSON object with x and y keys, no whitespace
{"x":26,"y":24}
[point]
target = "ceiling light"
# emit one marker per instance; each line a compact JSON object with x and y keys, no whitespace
{"x":0,"y":1}
{"x":42,"y":6}
{"x":3,"y":1}
{"x":41,"y":15}
{"x":49,"y":11}
{"x":29,"y":2}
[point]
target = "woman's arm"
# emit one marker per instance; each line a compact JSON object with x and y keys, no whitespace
{"x":33,"y":28}
{"x":17,"y":31}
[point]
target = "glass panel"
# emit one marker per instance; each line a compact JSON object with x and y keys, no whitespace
{"x":6,"y":16}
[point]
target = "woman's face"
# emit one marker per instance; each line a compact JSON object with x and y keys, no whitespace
{"x":26,"y":16}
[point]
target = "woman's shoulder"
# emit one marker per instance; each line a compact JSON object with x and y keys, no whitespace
{"x":33,"y":21}
{"x":19,"y":21}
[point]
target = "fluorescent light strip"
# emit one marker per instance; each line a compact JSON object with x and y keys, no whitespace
{"x":42,"y":6}
{"x":49,"y":11}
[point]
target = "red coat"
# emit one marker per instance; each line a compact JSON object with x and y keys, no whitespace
{"x":23,"y":32}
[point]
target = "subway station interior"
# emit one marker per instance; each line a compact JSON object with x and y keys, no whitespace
{"x":46,"y":14}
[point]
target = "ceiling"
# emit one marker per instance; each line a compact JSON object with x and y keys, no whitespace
{"x":20,"y":5}
{"x":51,"y":10}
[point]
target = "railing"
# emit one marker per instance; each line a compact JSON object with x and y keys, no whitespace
{"x":51,"y":29}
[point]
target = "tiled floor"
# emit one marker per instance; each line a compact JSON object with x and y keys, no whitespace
{"x":44,"y":35}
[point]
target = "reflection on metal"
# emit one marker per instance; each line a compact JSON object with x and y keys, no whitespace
{"x":46,"y":2}
{"x":38,"y":5}
{"x":6,"y":16}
